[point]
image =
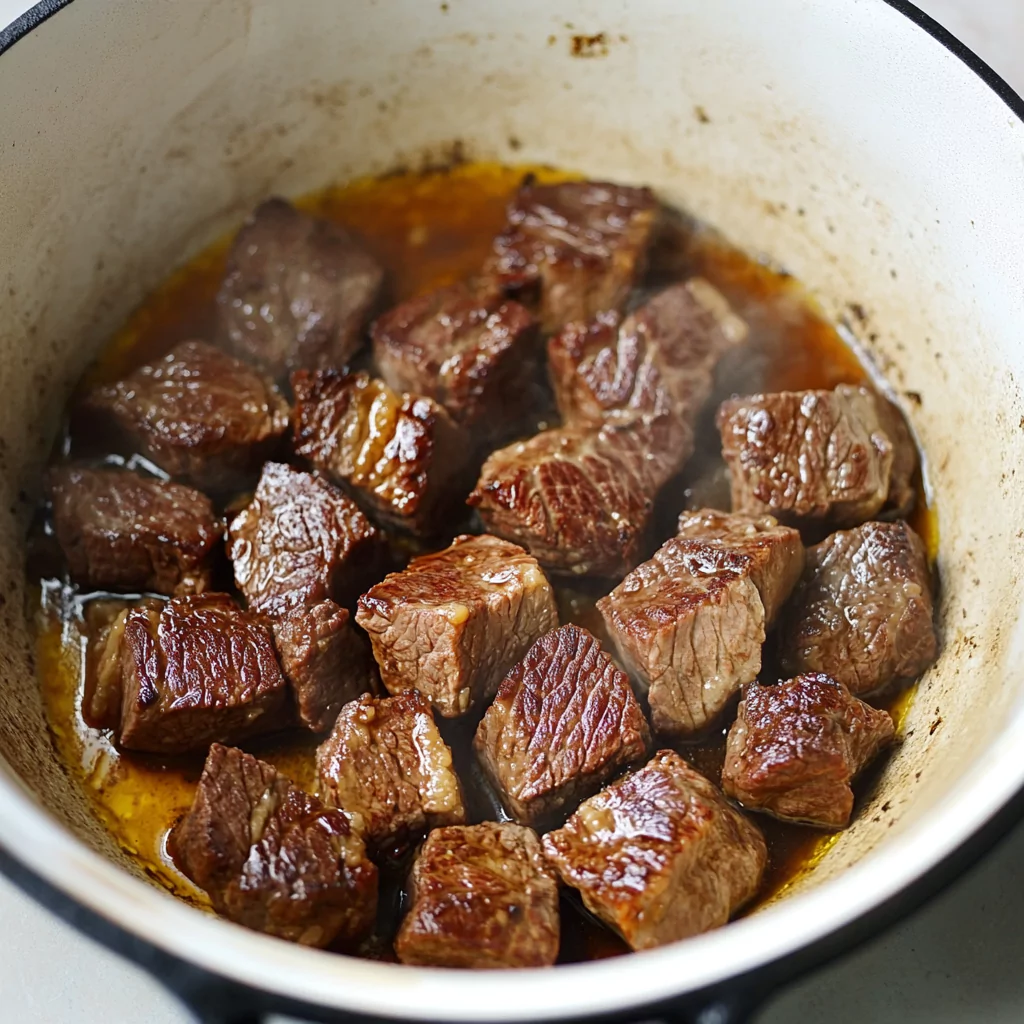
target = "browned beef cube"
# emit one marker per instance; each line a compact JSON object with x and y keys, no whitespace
{"x":298,"y":290}
{"x":272,"y":857}
{"x":583,"y":242}
{"x":466,"y":348}
{"x":198,"y":413}
{"x":776,"y":552}
{"x":795,"y":747}
{"x":300,"y":541}
{"x":453,"y":623}
{"x":659,"y":360}
{"x":386,"y":764}
{"x":863,"y":611}
{"x":326,"y":660}
{"x":564,"y":722}
{"x":123,"y":531}
{"x":198,"y":671}
{"x":813,"y":455}
{"x":580,"y":500}
{"x":401,"y":455}
{"x":660,"y":855}
{"x":481,"y":896}
{"x":689,"y":625}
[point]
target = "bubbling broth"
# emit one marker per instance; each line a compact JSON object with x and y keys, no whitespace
{"x":427,"y":230}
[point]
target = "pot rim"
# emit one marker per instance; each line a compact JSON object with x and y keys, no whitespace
{"x":46,"y":848}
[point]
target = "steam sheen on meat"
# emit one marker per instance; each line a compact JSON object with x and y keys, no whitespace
{"x":689,"y":625}
{"x":454,"y":622}
{"x":197,"y":670}
{"x":660,"y":855}
{"x":481,"y":896}
{"x":400,"y":455}
{"x":386,"y":764}
{"x":272,"y":857}
{"x":298,"y":290}
{"x":583,"y":243}
{"x":795,"y":747}
{"x":563,"y":723}
{"x":199,"y":414}
{"x":659,"y":360}
{"x":120,"y":530}
{"x":863,"y":612}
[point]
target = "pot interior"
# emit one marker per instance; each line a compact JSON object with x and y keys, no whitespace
{"x":839,"y":139}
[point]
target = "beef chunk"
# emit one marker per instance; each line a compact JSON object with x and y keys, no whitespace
{"x":794,"y":748}
{"x":863,"y":610}
{"x":563,"y":723}
{"x":660,"y":855}
{"x":580,"y":500}
{"x":386,"y":764}
{"x":197,"y":671}
{"x":272,"y":857}
{"x":401,"y":455}
{"x":326,"y":660}
{"x":776,"y":552}
{"x":659,"y":360}
{"x":689,"y":624}
{"x":481,"y":896}
{"x":198,"y":413}
{"x":583,"y":242}
{"x":297,"y":292}
{"x":812,"y":455}
{"x":123,"y":531}
{"x":300,"y":541}
{"x":467,"y":349}
{"x":454,"y":622}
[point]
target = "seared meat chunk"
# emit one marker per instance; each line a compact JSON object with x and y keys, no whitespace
{"x":580,"y":500}
{"x":689,"y":624}
{"x":386,"y":764}
{"x":401,"y":455}
{"x":660,"y":855}
{"x":123,"y":531}
{"x":300,"y":541}
{"x":659,"y":360}
{"x":465,"y":347}
{"x":197,"y":671}
{"x":454,"y":622}
{"x":298,"y":290}
{"x":564,"y":722}
{"x":326,"y":660}
{"x":198,"y":413}
{"x":481,"y":896}
{"x":583,"y":242}
{"x":813,"y":455}
{"x":776,"y":552}
{"x":863,"y":610}
{"x":272,"y":857}
{"x":794,"y":748}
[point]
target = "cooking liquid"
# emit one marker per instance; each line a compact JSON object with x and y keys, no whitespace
{"x":428,"y":230}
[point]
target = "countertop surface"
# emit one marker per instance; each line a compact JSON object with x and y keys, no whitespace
{"x":955,"y":962}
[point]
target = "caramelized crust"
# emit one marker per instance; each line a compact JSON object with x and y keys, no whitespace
{"x":795,"y":747}
{"x":196,"y":671}
{"x":689,"y":625}
{"x":198,"y":413}
{"x":660,"y":855}
{"x":272,"y":857}
{"x":401,"y":455}
{"x":563,"y":723}
{"x":386,"y":764}
{"x":481,"y":896}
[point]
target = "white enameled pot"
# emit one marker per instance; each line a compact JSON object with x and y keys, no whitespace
{"x":850,"y":139}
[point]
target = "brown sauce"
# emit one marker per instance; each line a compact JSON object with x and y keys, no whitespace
{"x":428,"y":230}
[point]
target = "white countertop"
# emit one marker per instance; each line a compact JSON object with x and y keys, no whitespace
{"x":956,"y":962}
